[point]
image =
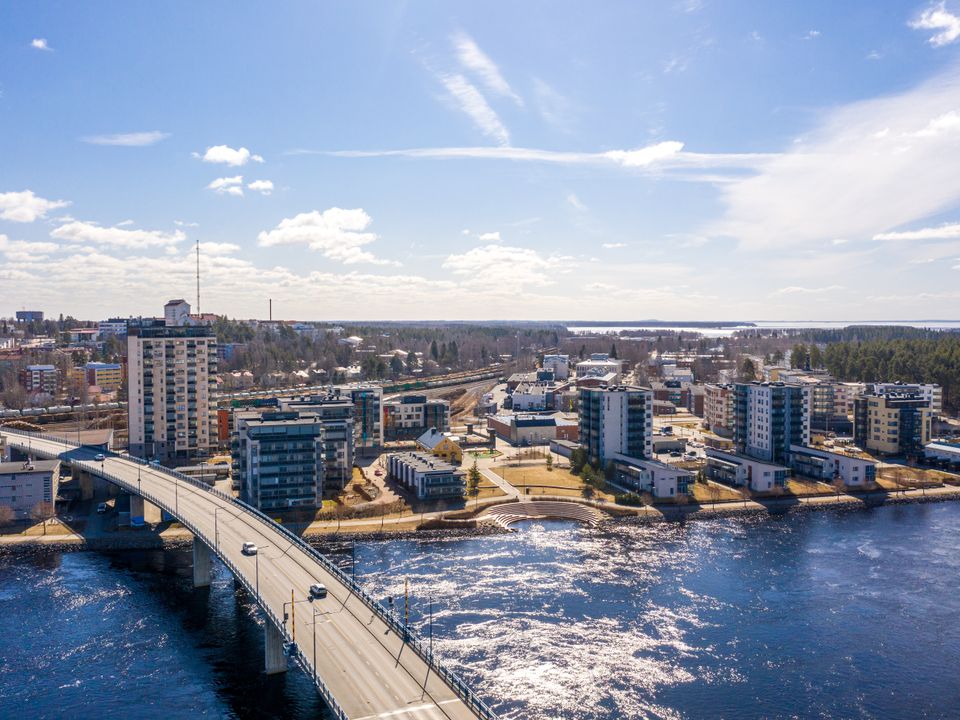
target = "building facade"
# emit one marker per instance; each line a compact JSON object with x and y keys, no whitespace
{"x":278,"y":459}
{"x":336,"y":414}
{"x":741,"y":471}
{"x":40,"y":378}
{"x":114,"y":327}
{"x":409,"y":416}
{"x":367,"y":415}
{"x":616,"y":421}
{"x":661,"y":480}
{"x":831,"y":466}
{"x":560,"y":364}
{"x":718,"y":402}
{"x":769,"y":417}
{"x":171,"y":377}
{"x":897,"y":422}
{"x":106,"y":376}
{"x":23,"y":485}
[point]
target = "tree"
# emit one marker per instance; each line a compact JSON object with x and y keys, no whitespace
{"x":396,"y":365}
{"x":434,"y":350}
{"x":549,"y":463}
{"x":714,"y":494}
{"x":838,"y":486}
{"x":583,"y":351}
{"x":815,"y":358}
{"x":588,"y":492}
{"x":473,"y":483}
{"x":6,"y":515}
{"x":578,"y":459}
{"x":747,"y":370}
{"x":41,"y":512}
{"x":613,"y":351}
{"x":745,"y":494}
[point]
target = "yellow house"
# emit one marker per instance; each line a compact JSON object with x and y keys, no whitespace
{"x":441,"y":445}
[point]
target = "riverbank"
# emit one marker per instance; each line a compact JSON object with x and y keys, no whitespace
{"x":464,"y":522}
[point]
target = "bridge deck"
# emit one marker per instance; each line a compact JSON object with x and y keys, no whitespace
{"x":365,"y":664}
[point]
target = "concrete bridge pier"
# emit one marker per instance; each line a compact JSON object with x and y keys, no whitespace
{"x":201,"y":563}
{"x":140,"y":508}
{"x":274,"y":660}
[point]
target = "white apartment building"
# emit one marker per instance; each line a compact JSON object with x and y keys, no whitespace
{"x":718,"y":401}
{"x":616,"y":421}
{"x":171,"y":376}
{"x":933,"y":394}
{"x":25,"y":484}
{"x":176,"y":313}
{"x":592,"y":368}
{"x":560,"y":364}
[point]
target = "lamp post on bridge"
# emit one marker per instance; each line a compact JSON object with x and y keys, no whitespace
{"x":257,"y":564}
{"x":216,"y":527}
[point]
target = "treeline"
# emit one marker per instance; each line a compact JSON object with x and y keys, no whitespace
{"x":933,"y":359}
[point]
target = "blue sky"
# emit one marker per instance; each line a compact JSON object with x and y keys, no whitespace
{"x":536,"y":160}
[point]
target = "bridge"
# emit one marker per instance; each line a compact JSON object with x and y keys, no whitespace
{"x":365,"y":662}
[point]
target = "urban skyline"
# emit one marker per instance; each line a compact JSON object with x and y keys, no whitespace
{"x":766,"y":163}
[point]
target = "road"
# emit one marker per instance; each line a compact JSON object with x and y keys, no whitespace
{"x":366,"y":666}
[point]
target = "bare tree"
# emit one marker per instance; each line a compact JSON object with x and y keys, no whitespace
{"x":41,"y":512}
{"x":6,"y":515}
{"x":745,"y":494}
{"x":838,"y":486}
{"x":714,"y":490}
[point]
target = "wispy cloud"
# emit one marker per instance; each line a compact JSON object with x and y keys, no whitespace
{"x":135,"y":139}
{"x":553,"y":107}
{"x":943,"y":232}
{"x":264,"y":187}
{"x":812,"y":35}
{"x":576,"y":203}
{"x":40,"y":44}
{"x":886,"y":154}
{"x":937,"y":17}
{"x":88,"y":232}
{"x":228,"y":186}
{"x":799,"y":290}
{"x":613,"y":246}
{"x":470,"y":101}
{"x":472,"y":58}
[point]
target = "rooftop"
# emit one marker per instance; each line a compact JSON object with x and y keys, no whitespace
{"x":9,"y":468}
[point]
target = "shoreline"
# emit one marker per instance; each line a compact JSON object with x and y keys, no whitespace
{"x":434,"y":529}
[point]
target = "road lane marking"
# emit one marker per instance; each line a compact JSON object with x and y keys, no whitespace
{"x":394,"y":713}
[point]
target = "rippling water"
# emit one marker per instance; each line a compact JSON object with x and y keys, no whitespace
{"x":828,"y":615}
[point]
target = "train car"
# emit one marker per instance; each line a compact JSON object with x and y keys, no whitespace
{"x":9,"y":413}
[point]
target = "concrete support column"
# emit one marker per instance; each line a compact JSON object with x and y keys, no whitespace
{"x":201,"y":563}
{"x":136,"y":510}
{"x":151,"y":512}
{"x":274,"y":660}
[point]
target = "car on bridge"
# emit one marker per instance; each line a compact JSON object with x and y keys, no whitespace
{"x":99,"y":457}
{"x":101,"y":508}
{"x":318,"y":590}
{"x":249,"y":548}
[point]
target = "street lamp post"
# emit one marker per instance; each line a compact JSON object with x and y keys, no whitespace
{"x":216,"y":527}
{"x":257,"y":563}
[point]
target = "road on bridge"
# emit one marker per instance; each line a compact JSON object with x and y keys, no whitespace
{"x":367,"y":667}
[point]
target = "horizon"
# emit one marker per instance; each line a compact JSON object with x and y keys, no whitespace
{"x":772,"y":162}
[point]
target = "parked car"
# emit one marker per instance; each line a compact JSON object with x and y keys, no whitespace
{"x":317,"y":591}
{"x":249,"y":548}
{"x":676,"y":453}
{"x":99,"y":457}
{"x":101,"y":508}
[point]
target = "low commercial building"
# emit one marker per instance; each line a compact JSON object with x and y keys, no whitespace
{"x":659,"y":479}
{"x":588,"y":368}
{"x":441,"y":445}
{"x":279,"y":459}
{"x":409,"y":416}
{"x":830,"y":466}
{"x":533,"y":429}
{"x":24,"y":485}
{"x":943,"y":452}
{"x":740,"y":471}
{"x":427,"y":477}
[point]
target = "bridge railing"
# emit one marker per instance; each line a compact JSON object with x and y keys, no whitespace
{"x":409,"y":636}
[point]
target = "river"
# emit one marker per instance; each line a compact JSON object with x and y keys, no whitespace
{"x":832,"y":614}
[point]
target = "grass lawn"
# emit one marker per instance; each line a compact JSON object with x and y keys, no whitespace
{"x":541,"y":481}
{"x":798,"y":486}
{"x":483,"y":454}
{"x":703,"y":494}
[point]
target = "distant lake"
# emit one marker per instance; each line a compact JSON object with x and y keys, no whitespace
{"x":718,"y":332}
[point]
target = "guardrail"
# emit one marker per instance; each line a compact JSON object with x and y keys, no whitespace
{"x":408,"y":636}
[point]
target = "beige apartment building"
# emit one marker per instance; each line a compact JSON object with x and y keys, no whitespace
{"x":171,"y":377}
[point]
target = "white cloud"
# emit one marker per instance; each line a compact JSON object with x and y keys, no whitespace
{"x":490,"y":237}
{"x":21,"y":251}
{"x":948,"y":231}
{"x":26,"y":207}
{"x":135,"y":139}
{"x":553,"y":107}
{"x":125,"y":223}
{"x":886,"y":155}
{"x":937,"y":17}
{"x":470,"y":101}
{"x":573,"y":200}
{"x":666,"y":155}
{"x":228,"y":156}
{"x":88,"y":232}
{"x":40,"y":44}
{"x":218,"y":249}
{"x":798,"y":290}
{"x":473,"y":58}
{"x":336,"y":233}
{"x":264,"y":187}
{"x":183,"y":223}
{"x":228,"y":186}
{"x":512,"y":268}
{"x":812,"y":35}
{"x":613,"y":246}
